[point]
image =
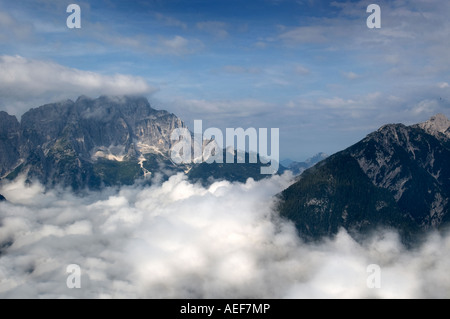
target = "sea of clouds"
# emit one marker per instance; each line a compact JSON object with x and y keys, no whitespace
{"x":182,"y":240}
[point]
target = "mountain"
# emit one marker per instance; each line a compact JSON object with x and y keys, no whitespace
{"x":206,"y":173}
{"x":93,"y":143}
{"x":2,"y":198}
{"x":87,"y":143}
{"x":298,"y":167}
{"x":397,"y":177}
{"x":9,"y":141}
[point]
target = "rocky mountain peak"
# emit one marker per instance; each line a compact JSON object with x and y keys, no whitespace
{"x":109,"y":139}
{"x":99,"y":142}
{"x":8,"y":124}
{"x":437,"y":124}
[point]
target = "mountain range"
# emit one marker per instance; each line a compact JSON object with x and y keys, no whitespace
{"x":93,"y":143}
{"x":397,"y":177}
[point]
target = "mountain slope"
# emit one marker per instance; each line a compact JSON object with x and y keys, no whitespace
{"x":9,"y":140}
{"x":396,"y":177}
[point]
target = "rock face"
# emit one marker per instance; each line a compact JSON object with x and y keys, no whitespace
{"x":9,"y":141}
{"x":2,"y":198}
{"x":92,"y":143}
{"x":438,"y":126}
{"x":398,"y":177}
{"x":87,"y":143}
{"x":91,"y":125}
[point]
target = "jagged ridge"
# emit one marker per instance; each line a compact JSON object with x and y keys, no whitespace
{"x":92,"y":143}
{"x":87,"y":143}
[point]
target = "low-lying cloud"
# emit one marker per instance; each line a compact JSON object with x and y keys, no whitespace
{"x":182,"y":240}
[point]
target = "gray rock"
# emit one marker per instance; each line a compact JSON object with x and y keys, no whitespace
{"x":9,"y":142}
{"x":71,"y":143}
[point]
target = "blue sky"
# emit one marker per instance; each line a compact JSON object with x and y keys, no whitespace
{"x":310,"y":68}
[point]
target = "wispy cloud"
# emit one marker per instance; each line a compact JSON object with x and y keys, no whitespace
{"x":301,"y":70}
{"x":12,"y":30}
{"x":305,"y":35}
{"x":221,"y":109}
{"x":239,"y":69}
{"x":216,"y":28}
{"x":171,"y":21}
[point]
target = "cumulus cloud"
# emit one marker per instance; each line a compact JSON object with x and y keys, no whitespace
{"x":24,"y":82}
{"x":181,"y":240}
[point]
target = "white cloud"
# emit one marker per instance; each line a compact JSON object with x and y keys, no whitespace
{"x":26,"y":82}
{"x":179,"y":240}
